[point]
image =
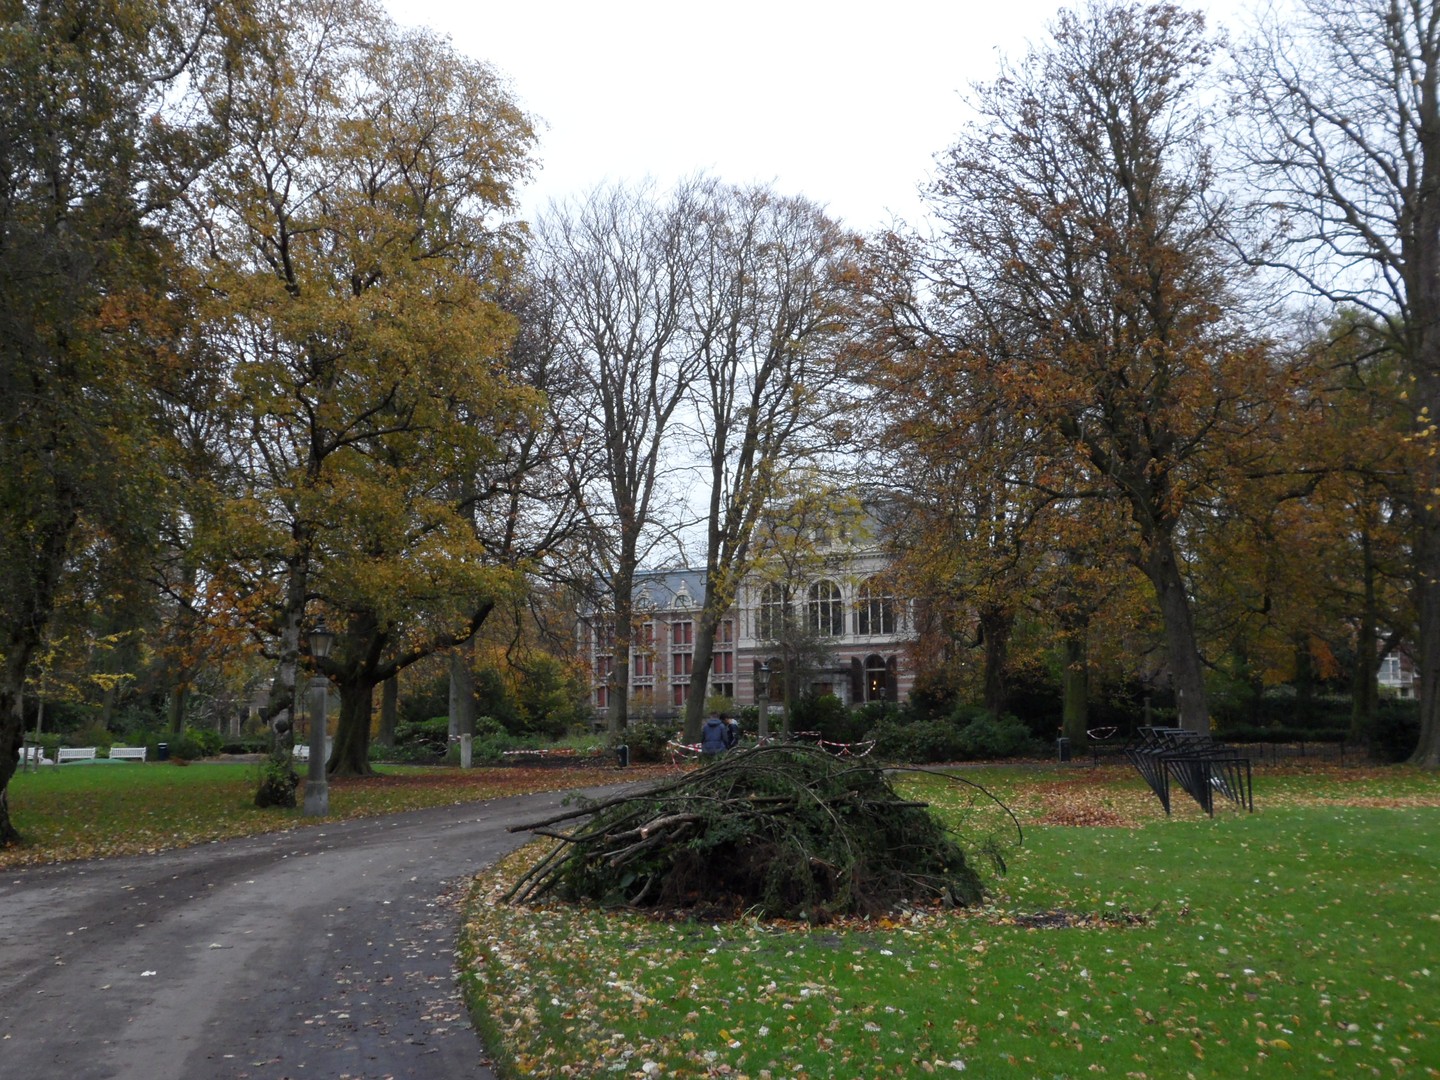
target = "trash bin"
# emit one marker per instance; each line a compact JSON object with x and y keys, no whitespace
{"x":1062,"y":744}
{"x":162,"y":751}
{"x":622,"y":755}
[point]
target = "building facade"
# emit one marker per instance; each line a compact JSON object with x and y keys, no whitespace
{"x":836,"y":627}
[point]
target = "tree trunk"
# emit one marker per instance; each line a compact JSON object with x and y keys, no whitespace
{"x":351,"y":753}
{"x":389,"y":711}
{"x":995,"y":625}
{"x":701,"y":660}
{"x":462,"y":690}
{"x":1186,"y":670}
{"x":1075,"y":693}
{"x":179,"y":694}
{"x":1427,"y":572}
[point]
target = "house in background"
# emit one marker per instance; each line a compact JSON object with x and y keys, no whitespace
{"x":1397,"y":675}
{"x":832,"y":619}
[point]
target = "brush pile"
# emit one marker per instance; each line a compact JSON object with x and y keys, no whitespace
{"x":782,"y":831}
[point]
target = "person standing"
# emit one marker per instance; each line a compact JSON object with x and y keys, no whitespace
{"x":713,"y":736}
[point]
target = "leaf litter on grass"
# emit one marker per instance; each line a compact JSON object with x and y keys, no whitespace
{"x":1291,"y":942}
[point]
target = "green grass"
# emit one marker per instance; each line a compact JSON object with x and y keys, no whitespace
{"x":80,"y":811}
{"x":1303,"y":940}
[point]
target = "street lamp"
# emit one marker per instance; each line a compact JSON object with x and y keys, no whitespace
{"x":317,"y":788}
{"x":762,"y":698}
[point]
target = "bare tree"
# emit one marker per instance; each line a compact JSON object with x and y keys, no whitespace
{"x":770,"y":309}
{"x":617,"y":269}
{"x":1341,"y":126}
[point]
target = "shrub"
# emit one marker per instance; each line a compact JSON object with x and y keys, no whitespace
{"x":987,"y":737}
{"x":648,"y":742}
{"x":918,"y":742}
{"x":827,"y":714}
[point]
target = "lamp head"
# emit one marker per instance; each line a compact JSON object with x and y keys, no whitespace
{"x":320,"y":641}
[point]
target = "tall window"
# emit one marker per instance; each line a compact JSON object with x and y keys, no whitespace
{"x":770,"y":617}
{"x":725,"y":632}
{"x":874,"y":609}
{"x":724,"y":663}
{"x":683,"y":633}
{"x":827,"y":610}
{"x":682,"y":663}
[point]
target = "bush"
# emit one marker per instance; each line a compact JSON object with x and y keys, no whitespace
{"x":648,"y":742}
{"x":987,"y":737}
{"x":918,"y":742}
{"x":827,"y":715}
{"x":1396,"y":730}
{"x":422,"y":740}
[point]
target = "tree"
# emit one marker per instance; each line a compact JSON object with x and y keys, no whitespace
{"x":354,"y":263}
{"x":92,"y":147}
{"x":617,"y":272}
{"x":770,"y":304}
{"x":1083,"y":244}
{"x":1343,"y":104}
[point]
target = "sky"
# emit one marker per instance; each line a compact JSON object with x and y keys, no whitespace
{"x":844,"y":102}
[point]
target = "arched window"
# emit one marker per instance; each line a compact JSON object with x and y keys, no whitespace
{"x":874,"y":608}
{"x":827,"y":609}
{"x":770,"y":615}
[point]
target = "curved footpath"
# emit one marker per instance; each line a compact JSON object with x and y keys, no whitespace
{"x":324,"y":952}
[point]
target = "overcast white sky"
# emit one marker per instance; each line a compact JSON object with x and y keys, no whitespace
{"x":844,"y":102}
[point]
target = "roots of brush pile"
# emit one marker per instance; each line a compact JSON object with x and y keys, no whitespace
{"x":783,"y":831}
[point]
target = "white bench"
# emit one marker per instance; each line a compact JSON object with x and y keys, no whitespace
{"x":33,"y":755}
{"x":127,"y":753}
{"x":301,"y":750}
{"x":74,"y":753}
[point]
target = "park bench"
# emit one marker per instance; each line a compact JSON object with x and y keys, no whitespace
{"x":33,"y":755}
{"x":74,"y":753}
{"x":127,"y":753}
{"x":1202,"y":767}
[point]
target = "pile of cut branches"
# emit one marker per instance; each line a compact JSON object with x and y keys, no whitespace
{"x":782,"y":831}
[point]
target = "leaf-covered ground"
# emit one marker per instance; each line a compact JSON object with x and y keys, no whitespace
{"x":1302,"y":940}
{"x":94,"y":811}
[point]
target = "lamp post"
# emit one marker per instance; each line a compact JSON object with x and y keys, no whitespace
{"x":317,"y":788}
{"x":762,"y":698}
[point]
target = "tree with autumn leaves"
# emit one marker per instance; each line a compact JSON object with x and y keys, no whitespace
{"x":1081,"y":275}
{"x":352,"y":248}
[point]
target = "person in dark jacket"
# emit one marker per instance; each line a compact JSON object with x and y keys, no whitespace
{"x":712,"y":736}
{"x":732,"y":730}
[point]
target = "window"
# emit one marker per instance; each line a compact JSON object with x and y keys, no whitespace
{"x":644,"y":665}
{"x":602,"y":696}
{"x":681,"y":663}
{"x":770,"y":617}
{"x":677,"y":695}
{"x":826,"y":609}
{"x":683,"y":633}
{"x":603,"y":666}
{"x":874,"y":609}
{"x":879,"y":678}
{"x":724,"y":663}
{"x":725,"y":632}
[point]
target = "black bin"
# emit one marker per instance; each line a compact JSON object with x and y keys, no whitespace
{"x":622,"y":756}
{"x":162,"y":751}
{"x":1062,"y":744}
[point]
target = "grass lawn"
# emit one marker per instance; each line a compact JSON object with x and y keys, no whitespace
{"x":81,"y":811}
{"x":1302,"y":941}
